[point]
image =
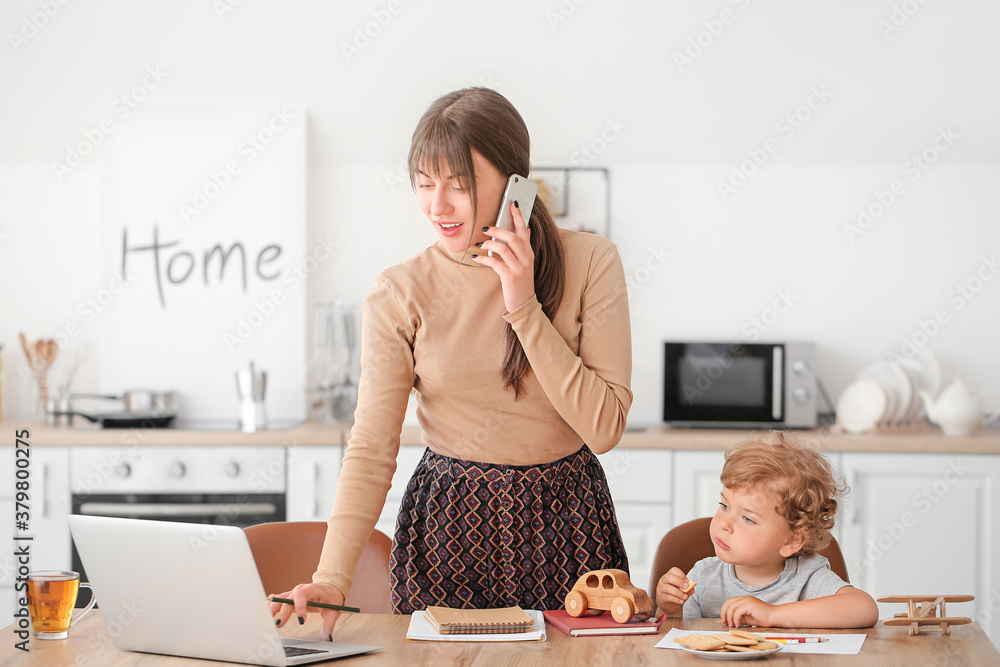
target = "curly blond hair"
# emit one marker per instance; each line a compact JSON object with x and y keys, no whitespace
{"x":800,"y":479}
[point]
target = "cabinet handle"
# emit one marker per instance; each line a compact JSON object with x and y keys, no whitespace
{"x":45,"y":491}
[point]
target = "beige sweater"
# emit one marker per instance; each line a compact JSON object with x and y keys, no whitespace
{"x":435,"y":323}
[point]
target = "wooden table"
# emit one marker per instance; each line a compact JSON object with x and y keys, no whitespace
{"x":89,"y":646}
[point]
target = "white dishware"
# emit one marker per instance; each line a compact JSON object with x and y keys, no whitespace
{"x":886,"y":372}
{"x":929,"y":369}
{"x":915,"y":409}
{"x":862,"y":406}
{"x":735,"y":655}
{"x":891,"y":406}
{"x":958,"y":410}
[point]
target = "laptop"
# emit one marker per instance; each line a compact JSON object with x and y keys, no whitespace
{"x":187,"y":589}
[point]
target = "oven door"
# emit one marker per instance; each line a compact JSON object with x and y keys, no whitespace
{"x":220,"y":509}
{"x":723,"y":384}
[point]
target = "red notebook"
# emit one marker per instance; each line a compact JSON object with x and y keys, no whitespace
{"x":588,"y":626}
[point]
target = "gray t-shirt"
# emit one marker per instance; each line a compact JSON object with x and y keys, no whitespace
{"x":804,"y":578}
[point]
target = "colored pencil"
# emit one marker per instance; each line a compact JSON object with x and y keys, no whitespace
{"x":322,"y":605}
{"x":798,"y":640}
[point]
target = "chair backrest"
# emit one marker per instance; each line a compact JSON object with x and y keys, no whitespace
{"x":286,"y":554}
{"x":688,"y":543}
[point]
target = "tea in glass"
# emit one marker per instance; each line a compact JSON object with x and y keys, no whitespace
{"x":51,"y":598}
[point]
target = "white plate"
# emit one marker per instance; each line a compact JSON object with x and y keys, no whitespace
{"x":891,"y":405}
{"x":916,"y":405}
{"x":929,"y":369}
{"x":882,"y":370}
{"x":735,"y":655}
{"x":862,"y":406}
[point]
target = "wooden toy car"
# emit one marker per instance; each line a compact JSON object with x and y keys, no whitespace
{"x":608,"y":590}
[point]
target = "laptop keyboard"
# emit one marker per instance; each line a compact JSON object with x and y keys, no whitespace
{"x":293,"y":651}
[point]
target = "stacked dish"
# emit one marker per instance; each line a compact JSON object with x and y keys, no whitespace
{"x":886,"y":394}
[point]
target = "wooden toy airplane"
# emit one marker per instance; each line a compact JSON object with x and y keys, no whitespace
{"x":930,"y":612}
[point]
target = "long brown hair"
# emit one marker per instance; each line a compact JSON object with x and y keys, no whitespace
{"x":483,"y":120}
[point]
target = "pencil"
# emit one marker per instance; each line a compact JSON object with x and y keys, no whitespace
{"x":798,"y":640}
{"x":322,"y":605}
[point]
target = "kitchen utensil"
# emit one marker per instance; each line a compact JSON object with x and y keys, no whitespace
{"x":891,"y":406}
{"x":40,"y":356}
{"x":166,"y":401}
{"x":916,"y":408}
{"x":250,"y":387}
{"x":140,"y":400}
{"x":884,"y":371}
{"x":862,"y":406}
{"x":321,"y":360}
{"x":344,"y":397}
{"x":958,"y":410}
{"x":125,"y":419}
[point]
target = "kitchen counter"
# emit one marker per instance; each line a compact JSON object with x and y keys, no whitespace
{"x":91,"y":435}
{"x":926,"y":440}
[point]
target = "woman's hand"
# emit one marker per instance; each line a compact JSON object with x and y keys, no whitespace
{"x":669,"y":596}
{"x":748,"y":610}
{"x":309,"y":592}
{"x":513,"y":260}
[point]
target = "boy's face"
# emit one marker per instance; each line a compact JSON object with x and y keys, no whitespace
{"x":748,"y":531}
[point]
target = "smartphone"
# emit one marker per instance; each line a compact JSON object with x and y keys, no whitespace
{"x":523,"y":191}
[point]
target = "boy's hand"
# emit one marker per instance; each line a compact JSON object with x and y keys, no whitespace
{"x":669,"y":594}
{"x":748,"y":610}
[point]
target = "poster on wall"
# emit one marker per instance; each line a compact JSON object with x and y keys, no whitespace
{"x":205,"y":219}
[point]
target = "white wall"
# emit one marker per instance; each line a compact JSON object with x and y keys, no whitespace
{"x":580,"y":75}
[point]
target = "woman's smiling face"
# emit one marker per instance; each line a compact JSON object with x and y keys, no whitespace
{"x":447,"y":203}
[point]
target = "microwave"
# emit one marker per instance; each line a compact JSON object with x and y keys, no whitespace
{"x":740,"y":385}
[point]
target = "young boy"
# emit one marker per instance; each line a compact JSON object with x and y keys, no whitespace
{"x":777,"y":509}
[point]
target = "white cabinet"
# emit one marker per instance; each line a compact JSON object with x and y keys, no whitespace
{"x":8,"y":566}
{"x":406,"y":463}
{"x":312,"y":481}
{"x":696,"y":484}
{"x":925,"y":523}
{"x":50,"y":507}
{"x":639,"y":480}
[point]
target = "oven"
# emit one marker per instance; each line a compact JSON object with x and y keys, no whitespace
{"x":235,"y":486}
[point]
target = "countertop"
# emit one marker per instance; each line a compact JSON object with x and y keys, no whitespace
{"x":927,"y":439}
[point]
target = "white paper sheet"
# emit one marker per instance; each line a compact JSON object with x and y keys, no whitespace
{"x":421,"y":630}
{"x":849,"y":644}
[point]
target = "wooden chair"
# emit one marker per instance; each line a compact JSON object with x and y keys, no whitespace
{"x":287,"y":553}
{"x":688,"y":543}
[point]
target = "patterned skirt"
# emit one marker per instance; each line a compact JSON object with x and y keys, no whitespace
{"x":481,"y":535}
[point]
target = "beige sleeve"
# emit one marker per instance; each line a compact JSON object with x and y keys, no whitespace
{"x":591,"y":391}
{"x":370,"y":460}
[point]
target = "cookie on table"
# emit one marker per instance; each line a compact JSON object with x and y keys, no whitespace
{"x":700,"y":642}
{"x":732,"y":639}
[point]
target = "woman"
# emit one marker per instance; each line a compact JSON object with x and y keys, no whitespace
{"x":521,"y":362}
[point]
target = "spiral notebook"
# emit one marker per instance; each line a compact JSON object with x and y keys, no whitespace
{"x":479,"y":621}
{"x":421,"y":629}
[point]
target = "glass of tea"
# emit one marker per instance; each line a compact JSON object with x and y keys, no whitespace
{"x":51,"y":598}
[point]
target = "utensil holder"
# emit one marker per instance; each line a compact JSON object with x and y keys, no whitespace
{"x":252,"y":416}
